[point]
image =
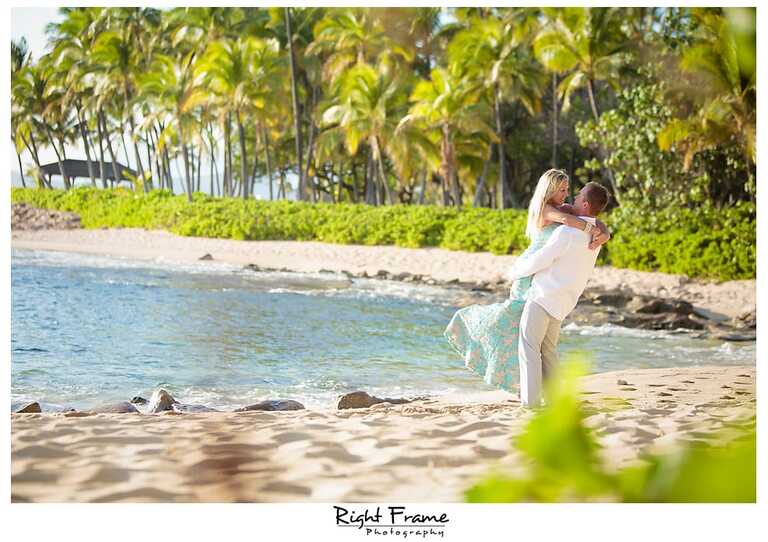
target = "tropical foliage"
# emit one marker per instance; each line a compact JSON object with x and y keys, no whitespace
{"x":706,"y":242}
{"x":564,"y":464}
{"x":446,"y":106}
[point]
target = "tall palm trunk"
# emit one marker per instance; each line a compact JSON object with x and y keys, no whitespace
{"x":102,"y":169}
{"x":504,"y":187}
{"x":167,"y":163}
{"x":131,"y":124}
{"x":449,"y":166}
{"x":600,"y":150}
{"x":423,"y":192}
{"x":254,"y":171}
{"x":477,"y":202}
{"x":199,"y":167}
{"x":230,"y":176}
{"x":58,"y":157}
{"x":36,"y":157}
{"x":310,"y":158}
{"x":21,"y":170}
{"x":295,"y":98}
{"x":370,"y":183}
{"x":185,"y":157}
{"x":269,"y":164}
{"x":86,"y":147}
{"x":243,"y":156}
{"x":380,"y":164}
{"x":555,"y":119}
{"x":115,"y":172}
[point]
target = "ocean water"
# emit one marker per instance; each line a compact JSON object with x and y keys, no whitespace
{"x":87,"y":330}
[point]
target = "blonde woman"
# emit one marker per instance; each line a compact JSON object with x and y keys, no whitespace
{"x":486,"y":336}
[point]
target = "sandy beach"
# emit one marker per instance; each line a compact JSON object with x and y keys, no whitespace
{"x":428,"y":451}
{"x":724,"y":300}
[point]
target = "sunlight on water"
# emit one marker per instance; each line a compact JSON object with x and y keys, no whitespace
{"x":87,"y":330}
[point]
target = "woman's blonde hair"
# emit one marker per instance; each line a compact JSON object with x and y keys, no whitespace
{"x":548,"y":184}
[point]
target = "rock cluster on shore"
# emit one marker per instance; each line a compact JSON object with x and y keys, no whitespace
{"x":163,"y":402}
{"x":26,"y":217}
{"x":622,"y":307}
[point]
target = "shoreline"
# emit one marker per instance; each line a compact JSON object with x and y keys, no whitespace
{"x":426,"y":451}
{"x":720,"y":302}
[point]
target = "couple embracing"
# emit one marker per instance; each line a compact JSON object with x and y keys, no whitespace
{"x":547,"y":281}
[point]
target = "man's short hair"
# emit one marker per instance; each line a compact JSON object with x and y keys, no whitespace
{"x":597,"y":196}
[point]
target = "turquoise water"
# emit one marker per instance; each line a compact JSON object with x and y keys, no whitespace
{"x":86,"y":330}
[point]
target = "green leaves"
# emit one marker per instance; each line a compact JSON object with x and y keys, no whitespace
{"x":561,"y":461}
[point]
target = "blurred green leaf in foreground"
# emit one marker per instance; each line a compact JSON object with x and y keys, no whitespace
{"x":564,"y":464}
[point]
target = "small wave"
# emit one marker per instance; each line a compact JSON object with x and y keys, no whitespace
{"x":31,"y":349}
{"x":611,"y":330}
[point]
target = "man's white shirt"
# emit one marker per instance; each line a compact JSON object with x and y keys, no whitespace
{"x":560,"y":269}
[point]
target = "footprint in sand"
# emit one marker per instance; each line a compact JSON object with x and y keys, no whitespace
{"x":628,"y":389}
{"x":656,"y":385}
{"x":665,"y":394}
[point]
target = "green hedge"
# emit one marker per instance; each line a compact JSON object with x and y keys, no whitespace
{"x":703,"y":242}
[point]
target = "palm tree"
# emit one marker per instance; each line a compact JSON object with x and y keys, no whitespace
{"x":591,"y":45}
{"x":40,"y":101}
{"x":588,"y":43}
{"x":73,"y":39}
{"x":723,"y":89}
{"x":19,"y":57}
{"x":116,"y":60}
{"x":447,"y":104}
{"x":243,"y":74}
{"x":174,"y":90}
{"x":350,"y":36}
{"x":494,"y":53}
{"x":368,"y":103}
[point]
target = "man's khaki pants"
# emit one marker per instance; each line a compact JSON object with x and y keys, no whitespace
{"x":537,"y":351}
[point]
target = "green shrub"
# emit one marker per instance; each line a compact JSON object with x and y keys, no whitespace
{"x":705,"y":242}
{"x":563,"y":462}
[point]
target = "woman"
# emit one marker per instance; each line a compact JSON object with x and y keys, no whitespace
{"x":486,"y":335}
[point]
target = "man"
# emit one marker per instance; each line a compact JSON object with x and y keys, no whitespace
{"x":560,"y":269}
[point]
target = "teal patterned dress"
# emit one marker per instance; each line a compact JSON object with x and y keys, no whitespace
{"x":485,"y":336}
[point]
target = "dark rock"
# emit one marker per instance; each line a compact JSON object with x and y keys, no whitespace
{"x":326,"y":271}
{"x":747,"y":319}
{"x":621,"y":382}
{"x":361,"y":399}
{"x":206,"y":257}
{"x":276,"y":404}
{"x":161,"y":401}
{"x":347,"y":274}
{"x":31,"y":408}
{"x":735,"y":337}
{"x":401,"y":276}
{"x":178,"y":407}
{"x":381,"y":273}
{"x":138,"y":400}
{"x":117,"y":408}
{"x":252,"y":267}
{"x":646,"y":305}
{"x":614,"y":298}
{"x":663,"y":321}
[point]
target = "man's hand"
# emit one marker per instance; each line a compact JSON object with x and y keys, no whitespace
{"x":598,"y":238}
